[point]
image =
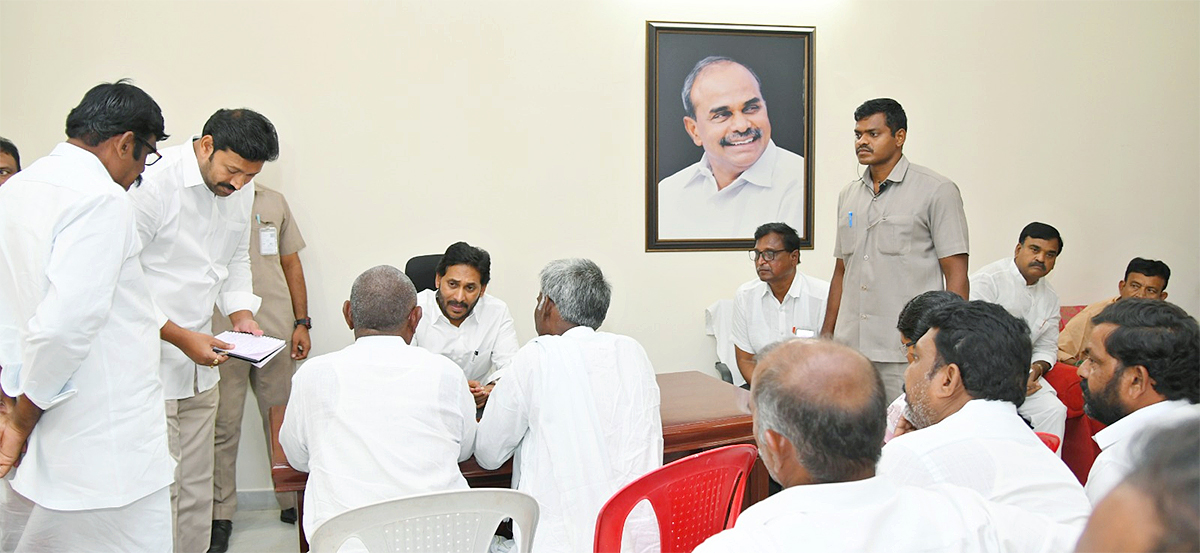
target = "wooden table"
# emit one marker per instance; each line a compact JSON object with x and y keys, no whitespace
{"x":699,"y":412}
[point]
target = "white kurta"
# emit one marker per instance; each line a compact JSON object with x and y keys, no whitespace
{"x":1119,"y":441}
{"x":986,"y":447}
{"x":483,"y":345}
{"x":581,"y":412}
{"x":375,"y":421}
{"x":197,"y":254}
{"x":875,"y":515}
{"x":78,"y":337}
{"x":759,"y":320}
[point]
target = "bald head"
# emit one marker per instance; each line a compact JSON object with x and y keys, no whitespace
{"x":381,"y":302}
{"x":828,"y":401}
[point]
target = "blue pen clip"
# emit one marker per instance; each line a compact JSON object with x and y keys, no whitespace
{"x":258,"y":217}
{"x":851,"y":219}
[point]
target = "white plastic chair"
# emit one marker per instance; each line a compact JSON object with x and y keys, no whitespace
{"x":456,"y":521}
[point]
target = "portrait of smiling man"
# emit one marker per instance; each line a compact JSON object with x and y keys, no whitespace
{"x":742,"y":179}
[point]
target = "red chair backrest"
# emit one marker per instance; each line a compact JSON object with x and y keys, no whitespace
{"x":693,"y":498}
{"x":1050,"y":440}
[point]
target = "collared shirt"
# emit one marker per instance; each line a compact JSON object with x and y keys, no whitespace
{"x":759,"y":320}
{"x":196,"y":253}
{"x":986,"y":447}
{"x":78,"y":337}
{"x":875,"y":515}
{"x":581,"y":412}
{"x":486,"y":341}
{"x":1037,"y":304}
{"x":891,"y":244}
{"x":378,"y":420}
{"x":773,"y":189}
{"x":1074,"y":336}
{"x":1118,"y":444}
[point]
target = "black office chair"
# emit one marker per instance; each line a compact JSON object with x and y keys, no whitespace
{"x":421,"y":270}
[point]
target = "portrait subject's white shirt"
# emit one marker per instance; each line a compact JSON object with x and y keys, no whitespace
{"x":196,"y":253}
{"x":1037,"y":304}
{"x":771,"y":190}
{"x":1118,"y":442}
{"x":483,"y":345}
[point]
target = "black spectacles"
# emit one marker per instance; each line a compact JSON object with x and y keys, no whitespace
{"x":153,"y":156}
{"x":769,"y":255}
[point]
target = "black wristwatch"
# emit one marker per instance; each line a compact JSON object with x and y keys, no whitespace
{"x":305,"y":322}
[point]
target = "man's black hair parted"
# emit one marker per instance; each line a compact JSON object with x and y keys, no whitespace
{"x":1159,"y":336}
{"x":990,"y":346}
{"x":244,"y":132}
{"x":913,"y":322}
{"x":462,"y":253}
{"x":891,"y":110}
{"x":791,"y":240}
{"x":1150,"y":268}
{"x":1040,"y":231}
{"x":112,"y":109}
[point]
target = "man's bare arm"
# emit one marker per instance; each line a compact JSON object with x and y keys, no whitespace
{"x":293,"y":273}
{"x":745,"y":362}
{"x":834,"y":303}
{"x":955,"y":269}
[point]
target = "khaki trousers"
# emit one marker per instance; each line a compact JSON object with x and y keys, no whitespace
{"x":190,"y":438}
{"x":893,"y":377}
{"x":271,"y":386}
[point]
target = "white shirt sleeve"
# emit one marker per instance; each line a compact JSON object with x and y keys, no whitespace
{"x":296,"y":433}
{"x":152,"y":212}
{"x":983,"y":287}
{"x":237,"y":292}
{"x":740,"y":327}
{"x":466,"y":405}
{"x":1045,"y":345}
{"x":506,"y":417}
{"x":506,"y":346}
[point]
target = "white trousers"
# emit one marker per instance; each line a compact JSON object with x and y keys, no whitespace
{"x":141,"y":526}
{"x":1045,"y":411}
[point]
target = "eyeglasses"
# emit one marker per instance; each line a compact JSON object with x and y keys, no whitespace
{"x":906,"y":346}
{"x":153,"y":156}
{"x":769,"y":255}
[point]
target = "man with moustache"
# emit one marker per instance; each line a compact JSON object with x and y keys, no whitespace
{"x":1019,"y":286}
{"x":193,"y":217}
{"x":743,"y":179}
{"x":466,"y":324}
{"x":1141,"y":370}
{"x":1144,"y":278}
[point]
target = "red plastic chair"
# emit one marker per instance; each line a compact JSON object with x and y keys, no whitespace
{"x":1050,"y":440}
{"x":693,"y":498}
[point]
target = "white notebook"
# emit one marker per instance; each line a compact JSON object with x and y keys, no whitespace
{"x":248,"y":347}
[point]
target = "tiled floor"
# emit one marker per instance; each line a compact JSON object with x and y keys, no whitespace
{"x":261,"y":532}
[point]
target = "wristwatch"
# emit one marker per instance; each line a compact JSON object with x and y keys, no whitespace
{"x":305,"y":322}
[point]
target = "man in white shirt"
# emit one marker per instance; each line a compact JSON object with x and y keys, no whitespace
{"x":465,"y":323}
{"x":193,"y":218}
{"x":743,"y":179}
{"x":78,"y":342}
{"x":380,"y":419}
{"x":823,"y":448}
{"x":781,"y":303}
{"x":580,"y":409}
{"x":1019,"y":285}
{"x":963,"y":387}
{"x":1141,"y":370}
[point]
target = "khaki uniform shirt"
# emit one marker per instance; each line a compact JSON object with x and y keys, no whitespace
{"x":1073,"y":336}
{"x":271,"y":212}
{"x":890,"y":244}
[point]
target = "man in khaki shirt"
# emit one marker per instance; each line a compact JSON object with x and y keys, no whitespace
{"x":275,"y":244}
{"x":901,"y":232}
{"x":1144,"y":278}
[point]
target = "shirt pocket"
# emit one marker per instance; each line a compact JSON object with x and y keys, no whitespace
{"x":894,"y":235}
{"x":845,"y":234}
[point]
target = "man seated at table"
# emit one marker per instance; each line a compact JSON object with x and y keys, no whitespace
{"x":1141,"y":369}
{"x":465,"y":323}
{"x":1144,"y":278}
{"x":379,"y":419}
{"x":823,"y":447}
{"x":963,"y":386}
{"x":579,"y":407}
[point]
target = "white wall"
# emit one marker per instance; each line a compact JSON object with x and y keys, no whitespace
{"x":518,"y":126}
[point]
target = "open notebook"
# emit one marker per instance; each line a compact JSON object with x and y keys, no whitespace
{"x":258,"y":350}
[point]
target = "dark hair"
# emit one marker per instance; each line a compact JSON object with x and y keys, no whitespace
{"x":990,"y":346}
{"x":791,"y":240}
{"x":1168,"y":472}
{"x":1159,"y":336}
{"x":462,"y":253}
{"x":9,"y":148}
{"x":834,"y":443}
{"x":691,"y":80}
{"x":1150,"y":268}
{"x":913,"y":322}
{"x":112,"y":109}
{"x":246,"y":132}
{"x":891,"y":109}
{"x":1040,"y":231}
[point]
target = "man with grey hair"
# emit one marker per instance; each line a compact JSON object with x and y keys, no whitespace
{"x":743,"y":179}
{"x":380,"y":419}
{"x":579,"y":407}
{"x":818,"y":411}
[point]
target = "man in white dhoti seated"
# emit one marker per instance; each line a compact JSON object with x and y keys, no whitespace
{"x":579,"y":408}
{"x":818,"y":420}
{"x":964,"y":384}
{"x":380,"y":419}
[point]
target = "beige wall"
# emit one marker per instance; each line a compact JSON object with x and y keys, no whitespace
{"x":518,"y":126}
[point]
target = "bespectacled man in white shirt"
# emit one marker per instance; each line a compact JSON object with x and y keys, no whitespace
{"x":465,"y":323}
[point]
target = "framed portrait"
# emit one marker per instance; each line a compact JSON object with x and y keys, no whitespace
{"x":729,"y":112}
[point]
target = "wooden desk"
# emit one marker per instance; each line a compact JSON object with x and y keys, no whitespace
{"x":699,"y":412}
